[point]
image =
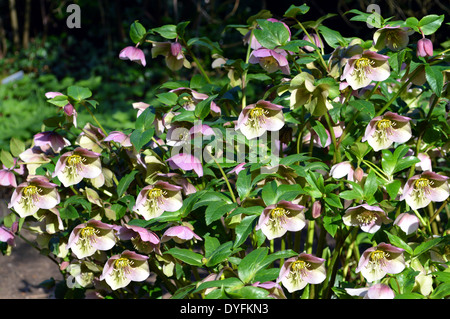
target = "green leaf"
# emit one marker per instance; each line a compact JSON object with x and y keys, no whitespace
{"x":398,"y":242}
{"x":168,"y":31}
{"x":227,"y":282}
{"x":216,"y":210}
{"x":219,"y":254}
{"x":244,"y":183}
{"x":271,"y":34}
{"x":393,"y":188}
{"x":243,"y":229}
{"x":333,"y":200}
{"x":423,"y":247}
{"x":186,"y":255}
{"x":78,"y":93}
{"x":430,"y":23}
{"x":434,"y":78}
{"x":442,"y":291}
{"x":405,"y":162}
{"x":332,"y":38}
{"x":331,"y":223}
{"x":293,"y":10}
{"x":68,"y":212}
{"x":168,"y":98}
{"x":203,"y":108}
{"x":16,"y":146}
{"x":125,"y":183}
{"x":140,"y":137}
{"x":320,"y":131}
{"x":269,"y":193}
{"x":7,"y":159}
{"x":145,"y":120}
{"x":251,"y":264}
{"x":365,"y":107}
{"x":59,"y":100}
{"x":371,"y":185}
{"x":137,"y":32}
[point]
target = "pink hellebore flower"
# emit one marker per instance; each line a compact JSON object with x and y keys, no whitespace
{"x":377,"y":261}
{"x":173,"y":53}
{"x":154,"y":200}
{"x":384,"y":130}
{"x":89,"y":237}
{"x":50,"y":140}
{"x":369,"y":218}
{"x":395,"y":38}
{"x":143,"y":239}
{"x":133,"y":54}
{"x":124,"y":268}
{"x":80,"y":163}
{"x":119,"y":137}
{"x":377,"y":291}
{"x":317,"y":42}
{"x":425,"y":162}
{"x":256,"y":119}
{"x":7,"y":178}
{"x":274,"y":289}
{"x":37,"y":193}
{"x":420,"y":190}
{"x":271,"y":60}
{"x":299,"y":271}
{"x":279,"y":218}
{"x":179,"y":234}
{"x":342,"y":169}
{"x":7,"y":236}
{"x":424,"y":48}
{"x":186,"y":162}
{"x":362,"y":69}
{"x":409,"y":223}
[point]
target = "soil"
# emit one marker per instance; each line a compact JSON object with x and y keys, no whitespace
{"x":23,"y":271}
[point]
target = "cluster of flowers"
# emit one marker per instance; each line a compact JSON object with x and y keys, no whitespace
{"x":354,"y":67}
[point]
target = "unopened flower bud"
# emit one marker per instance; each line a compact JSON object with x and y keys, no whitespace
{"x":424,"y":48}
{"x":316,"y":209}
{"x":358,"y":174}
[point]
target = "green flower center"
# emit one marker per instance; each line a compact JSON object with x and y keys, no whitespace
{"x":363,"y":67}
{"x":392,"y":37}
{"x":73,"y":164}
{"x":378,"y":255}
{"x":257,"y":116}
{"x":268,"y":62}
{"x":385,"y":124}
{"x":423,"y":182}
{"x":155,"y":193}
{"x":122,"y":267}
{"x":30,"y":195}
{"x":366,"y":217}
{"x":299,"y":269}
{"x":88,"y":236}
{"x":278,"y":212}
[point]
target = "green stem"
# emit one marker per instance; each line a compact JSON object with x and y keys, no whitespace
{"x":337,"y":153}
{"x":310,"y":237}
{"x":95,"y":119}
{"x":312,"y":41}
{"x":244,"y":74}
{"x":226,"y":180}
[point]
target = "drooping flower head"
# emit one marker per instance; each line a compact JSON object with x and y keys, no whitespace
{"x":191,"y":98}
{"x":420,"y":190}
{"x":173,"y":53}
{"x":80,"y":163}
{"x":384,"y":130}
{"x":377,"y":291}
{"x":277,"y":219}
{"x":153,"y":200}
{"x":124,"y":268}
{"x":424,"y":48}
{"x":271,"y":60}
{"x":85,"y":239}
{"x":133,"y":54}
{"x":256,"y":119}
{"x":30,"y":196}
{"x":299,"y":271}
{"x":368,"y":218}
{"x":143,"y":240}
{"x":378,"y":261}
{"x":317,"y":42}
{"x":7,"y":236}
{"x":409,"y":223}
{"x":50,"y":140}
{"x":254,"y":43}
{"x":395,"y":38}
{"x":186,"y":162}
{"x":362,"y":69}
{"x":179,"y":234}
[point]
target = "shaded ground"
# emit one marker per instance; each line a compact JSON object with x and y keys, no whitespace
{"x":23,"y":271}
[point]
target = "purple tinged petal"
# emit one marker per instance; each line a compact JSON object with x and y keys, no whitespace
{"x":380,"y":291}
{"x":409,"y":223}
{"x":133,"y":54}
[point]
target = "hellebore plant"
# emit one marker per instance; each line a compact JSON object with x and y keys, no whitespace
{"x":298,"y":163}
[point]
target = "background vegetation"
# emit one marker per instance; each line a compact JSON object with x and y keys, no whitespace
{"x":35,"y":39}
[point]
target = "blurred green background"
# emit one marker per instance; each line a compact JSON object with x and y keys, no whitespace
{"x":35,"y":39}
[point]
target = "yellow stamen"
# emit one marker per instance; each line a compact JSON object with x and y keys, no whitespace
{"x":122,"y":267}
{"x":362,"y":67}
{"x":378,"y":255}
{"x":88,"y":236}
{"x":366,"y":217}
{"x":73,"y":164}
{"x":30,"y":195}
{"x":257,"y":116}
